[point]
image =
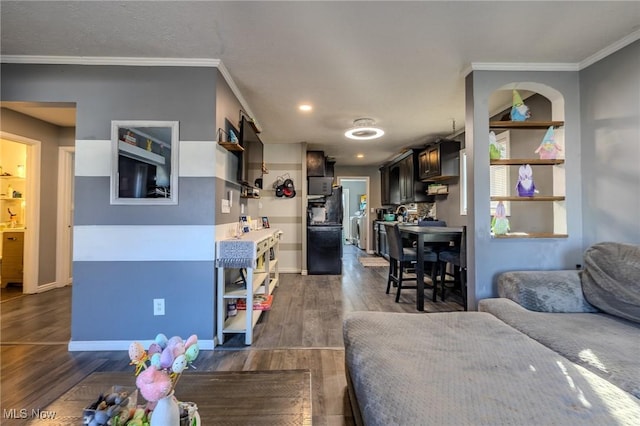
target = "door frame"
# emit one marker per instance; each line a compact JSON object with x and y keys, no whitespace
{"x":64,"y":251}
{"x":346,"y":223}
{"x":32,"y":212}
{"x":367,"y":229}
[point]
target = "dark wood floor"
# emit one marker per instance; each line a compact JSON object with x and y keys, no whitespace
{"x":302,"y":330}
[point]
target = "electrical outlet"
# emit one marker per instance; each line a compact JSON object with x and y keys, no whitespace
{"x":158,"y":306}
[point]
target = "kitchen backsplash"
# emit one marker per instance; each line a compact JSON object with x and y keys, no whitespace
{"x":426,"y":210}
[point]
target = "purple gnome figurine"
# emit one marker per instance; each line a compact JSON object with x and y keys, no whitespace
{"x":525,"y":187}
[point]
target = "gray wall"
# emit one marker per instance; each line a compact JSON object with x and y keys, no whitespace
{"x":120,"y":292}
{"x":51,"y":137}
{"x":487,"y":256}
{"x":610,"y":103}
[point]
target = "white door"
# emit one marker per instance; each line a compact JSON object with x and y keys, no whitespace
{"x":64,"y":240}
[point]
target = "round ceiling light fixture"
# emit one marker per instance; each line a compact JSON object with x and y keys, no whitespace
{"x":364,"y":129}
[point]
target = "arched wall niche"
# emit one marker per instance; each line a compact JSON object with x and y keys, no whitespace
{"x":553,"y":95}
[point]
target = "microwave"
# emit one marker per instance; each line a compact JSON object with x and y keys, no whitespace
{"x":320,"y":185}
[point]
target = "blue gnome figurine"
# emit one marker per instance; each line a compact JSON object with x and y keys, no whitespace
{"x":525,"y":187}
{"x":519,"y":111}
{"x":500,"y":223}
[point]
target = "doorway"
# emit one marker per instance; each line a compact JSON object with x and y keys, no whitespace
{"x":47,"y":129}
{"x":356,"y":211}
{"x":26,"y":215}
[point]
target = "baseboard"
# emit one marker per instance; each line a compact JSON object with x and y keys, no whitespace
{"x":49,"y":286}
{"x":122,"y":345}
{"x":289,"y":270}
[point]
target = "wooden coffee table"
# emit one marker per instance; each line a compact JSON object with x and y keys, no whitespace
{"x":273,"y":397}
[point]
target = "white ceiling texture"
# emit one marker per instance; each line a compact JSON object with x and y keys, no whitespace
{"x":400,"y":63}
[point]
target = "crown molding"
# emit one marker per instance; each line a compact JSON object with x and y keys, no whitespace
{"x":138,"y":62}
{"x":610,"y":49}
{"x":520,"y":66}
{"x":532,"y":66}
{"x":110,"y":60}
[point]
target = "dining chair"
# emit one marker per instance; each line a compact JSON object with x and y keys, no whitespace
{"x":402,"y":258}
{"x":457,"y":257}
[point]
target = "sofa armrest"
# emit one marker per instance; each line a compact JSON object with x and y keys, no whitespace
{"x":545,"y":291}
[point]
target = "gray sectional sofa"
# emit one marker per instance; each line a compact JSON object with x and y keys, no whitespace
{"x":548,"y":351}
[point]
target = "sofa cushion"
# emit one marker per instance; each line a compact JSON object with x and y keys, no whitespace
{"x":606,"y":345}
{"x":545,"y":291}
{"x":611,"y":279}
{"x":469,"y":368}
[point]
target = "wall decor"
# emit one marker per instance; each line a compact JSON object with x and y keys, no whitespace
{"x":144,"y":162}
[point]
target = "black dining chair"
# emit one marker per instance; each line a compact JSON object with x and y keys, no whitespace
{"x":457,"y":257}
{"x":402,"y":258}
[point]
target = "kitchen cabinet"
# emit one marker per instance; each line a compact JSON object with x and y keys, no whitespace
{"x":384,"y":242}
{"x":12,"y":257}
{"x":553,"y":166}
{"x":384,"y":186}
{"x":316,"y":164}
{"x":439,"y":161}
{"x":381,"y":246}
{"x":404,"y":185}
{"x":259,"y":280}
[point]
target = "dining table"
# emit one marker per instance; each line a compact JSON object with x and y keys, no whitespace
{"x":426,"y":235}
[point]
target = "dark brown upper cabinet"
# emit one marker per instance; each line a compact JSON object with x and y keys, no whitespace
{"x":439,"y":161}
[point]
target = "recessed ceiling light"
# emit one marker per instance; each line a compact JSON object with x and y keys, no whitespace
{"x":364,"y":129}
{"x":360,"y":156}
{"x":305,"y":107}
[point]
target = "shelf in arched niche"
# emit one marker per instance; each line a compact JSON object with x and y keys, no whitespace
{"x":547,"y":218}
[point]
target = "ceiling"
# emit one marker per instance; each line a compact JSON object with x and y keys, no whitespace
{"x":400,"y":63}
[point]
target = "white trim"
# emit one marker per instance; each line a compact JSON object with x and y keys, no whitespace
{"x":464,"y":183}
{"x":610,"y":49}
{"x":31,"y":260}
{"x":141,"y":243}
{"x":232,"y":85}
{"x":111,"y":60}
{"x":123,"y":345}
{"x":197,"y":159}
{"x":93,"y":157}
{"x":140,"y":62}
{"x":64,"y":223}
{"x":49,"y":286}
{"x":520,"y":66}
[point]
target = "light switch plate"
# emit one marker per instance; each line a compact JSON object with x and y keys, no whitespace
{"x":226,"y":208}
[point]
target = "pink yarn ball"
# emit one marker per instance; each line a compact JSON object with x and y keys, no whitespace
{"x":153,"y":384}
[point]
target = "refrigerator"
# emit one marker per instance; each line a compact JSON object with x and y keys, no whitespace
{"x":324,"y":239}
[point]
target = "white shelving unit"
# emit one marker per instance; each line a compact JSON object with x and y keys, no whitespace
{"x":7,"y":200}
{"x":261,"y":280}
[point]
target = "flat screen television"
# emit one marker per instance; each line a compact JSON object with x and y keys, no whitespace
{"x":250,"y":160}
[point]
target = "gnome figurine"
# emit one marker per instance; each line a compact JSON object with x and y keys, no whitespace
{"x":525,"y":187}
{"x":548,"y":149}
{"x":519,"y":111}
{"x":500,"y":223}
{"x":494,"y":150}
